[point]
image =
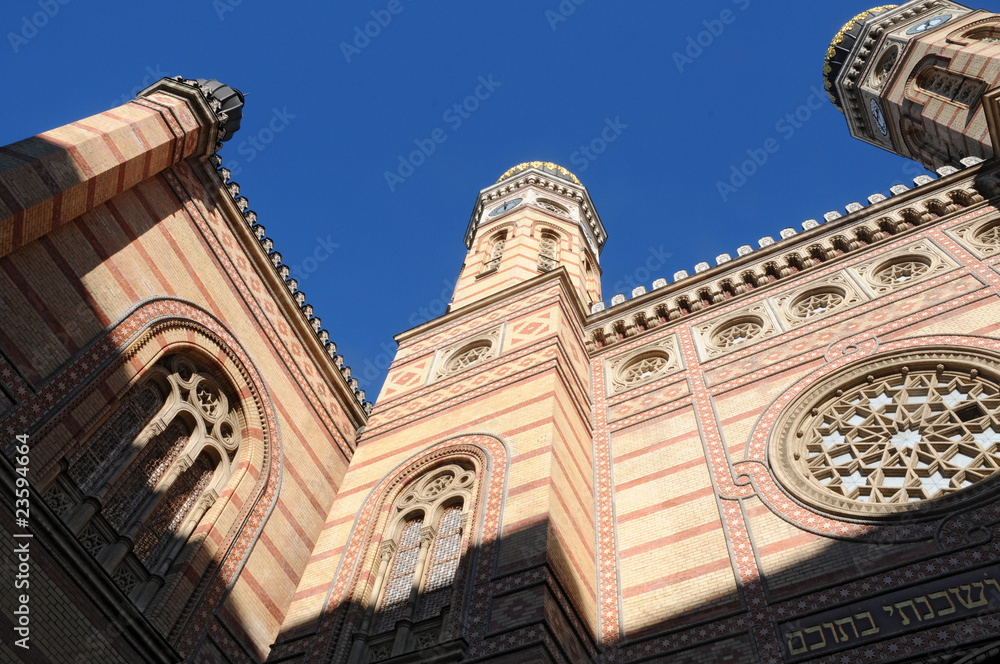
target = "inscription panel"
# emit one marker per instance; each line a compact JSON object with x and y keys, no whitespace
{"x":914,"y":609}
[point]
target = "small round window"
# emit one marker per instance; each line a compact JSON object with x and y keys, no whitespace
{"x":737,"y":332}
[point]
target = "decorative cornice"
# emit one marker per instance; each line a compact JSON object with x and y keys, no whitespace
{"x":266,"y":243}
{"x":778,"y":260}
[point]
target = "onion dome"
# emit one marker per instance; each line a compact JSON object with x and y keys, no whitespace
{"x":840,"y":49}
{"x":546,"y":166}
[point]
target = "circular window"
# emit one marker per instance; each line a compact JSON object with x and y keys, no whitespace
{"x":898,"y":272}
{"x":737,"y":332}
{"x":989,"y":234}
{"x":884,"y":67}
{"x":893,"y":433}
{"x":468,"y":356}
{"x":816,"y":303}
{"x":644,"y":367}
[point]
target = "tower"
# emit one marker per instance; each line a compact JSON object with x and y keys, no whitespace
{"x":919,"y":79}
{"x":537,"y":217}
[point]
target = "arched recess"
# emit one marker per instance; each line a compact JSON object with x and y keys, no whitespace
{"x":367,"y":617}
{"x":198,"y":431}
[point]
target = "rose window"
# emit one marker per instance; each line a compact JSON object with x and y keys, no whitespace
{"x":900,"y":272}
{"x":910,"y":435}
{"x":990,"y":234}
{"x":817,"y":303}
{"x":737,"y":333}
{"x":643,"y":368}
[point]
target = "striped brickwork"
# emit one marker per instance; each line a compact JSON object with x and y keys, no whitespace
{"x":120,"y":247}
{"x":960,"y":126}
{"x":524,"y":226}
{"x":706,"y":544}
{"x":533,"y":397}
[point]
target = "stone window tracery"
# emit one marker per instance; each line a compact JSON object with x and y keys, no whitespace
{"x":948,"y":84}
{"x":884,"y":67}
{"x":644,"y":368}
{"x":138,"y":486}
{"x":817,"y":303}
{"x":899,"y":272}
{"x":419,"y":561}
{"x":497,"y":244}
{"x":466,"y":354}
{"x":645,"y":365}
{"x":468,"y":357}
{"x":546,"y":204}
{"x":989,"y":234}
{"x":548,"y":251}
{"x":897,"y":433}
{"x":737,"y":332}
{"x":916,"y":262}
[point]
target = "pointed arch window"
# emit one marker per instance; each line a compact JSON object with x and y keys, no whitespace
{"x":415,"y":585}
{"x":140,"y":485}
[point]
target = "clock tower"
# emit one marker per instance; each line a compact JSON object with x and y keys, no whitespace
{"x":536,"y":218}
{"x":920,"y":79}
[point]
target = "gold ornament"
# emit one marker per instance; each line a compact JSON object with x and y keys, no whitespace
{"x":540,"y":165}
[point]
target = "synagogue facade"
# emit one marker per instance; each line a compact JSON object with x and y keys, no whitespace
{"x":791,"y":454}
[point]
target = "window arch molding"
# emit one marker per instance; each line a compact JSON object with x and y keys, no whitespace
{"x":350,"y":597}
{"x":135,"y":346}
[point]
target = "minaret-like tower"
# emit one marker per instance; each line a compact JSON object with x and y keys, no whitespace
{"x":536,"y":218}
{"x":920,"y":79}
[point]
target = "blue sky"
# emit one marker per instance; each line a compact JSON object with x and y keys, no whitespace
{"x":692,"y":91}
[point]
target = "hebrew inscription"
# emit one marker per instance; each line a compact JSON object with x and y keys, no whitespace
{"x":878,"y":618}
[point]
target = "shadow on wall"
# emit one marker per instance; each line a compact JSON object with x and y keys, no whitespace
{"x":843,"y":599}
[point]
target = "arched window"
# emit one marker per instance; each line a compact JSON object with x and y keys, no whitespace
{"x":591,"y":279}
{"x":548,"y":251}
{"x":496,"y":246}
{"x":989,"y":33}
{"x":141,"y":483}
{"x":414,"y":586}
{"x":924,"y":146}
{"x":949,"y":85}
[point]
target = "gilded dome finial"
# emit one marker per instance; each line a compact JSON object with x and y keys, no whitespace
{"x":832,"y":64}
{"x":555,"y":169}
